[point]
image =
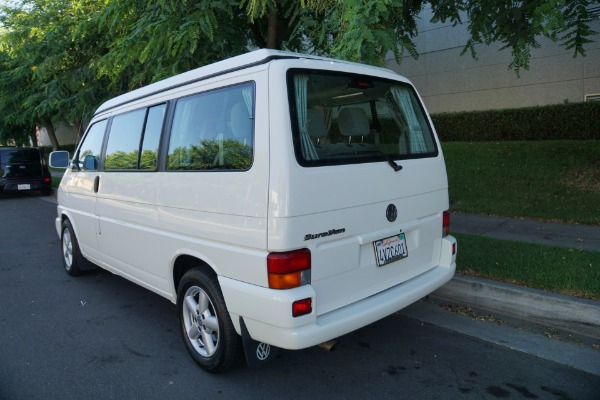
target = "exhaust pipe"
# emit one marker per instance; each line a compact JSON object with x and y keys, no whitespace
{"x":329,"y":345}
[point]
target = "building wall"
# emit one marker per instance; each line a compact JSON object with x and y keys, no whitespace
{"x":449,"y":82}
{"x":65,"y":134}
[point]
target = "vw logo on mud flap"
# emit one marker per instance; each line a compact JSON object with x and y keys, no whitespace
{"x":262,"y":351}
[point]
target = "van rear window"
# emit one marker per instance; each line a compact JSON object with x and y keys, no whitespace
{"x":340,"y":118}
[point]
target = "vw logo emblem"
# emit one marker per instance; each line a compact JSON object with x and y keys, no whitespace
{"x":391,"y":213}
{"x":262,"y":351}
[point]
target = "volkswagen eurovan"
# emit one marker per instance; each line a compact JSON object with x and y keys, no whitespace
{"x":279,"y":200}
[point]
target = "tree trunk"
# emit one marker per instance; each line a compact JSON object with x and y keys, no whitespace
{"x":273,"y":41}
{"x":33,"y":136}
{"x":80,"y":129}
{"x":51,"y":133}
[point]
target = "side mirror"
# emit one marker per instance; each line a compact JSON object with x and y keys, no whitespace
{"x":90,"y":163}
{"x":59,"y":159}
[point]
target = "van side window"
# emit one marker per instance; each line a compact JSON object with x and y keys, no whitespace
{"x":124,"y":140}
{"x":130,"y":132}
{"x":154,"y":124}
{"x":88,"y":157}
{"x":213,"y":130}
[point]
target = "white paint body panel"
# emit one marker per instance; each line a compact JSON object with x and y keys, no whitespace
{"x":140,"y":223}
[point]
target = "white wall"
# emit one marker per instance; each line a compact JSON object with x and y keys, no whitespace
{"x":65,"y":134}
{"x":450,"y":82}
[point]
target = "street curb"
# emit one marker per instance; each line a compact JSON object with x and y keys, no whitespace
{"x":580,"y":316}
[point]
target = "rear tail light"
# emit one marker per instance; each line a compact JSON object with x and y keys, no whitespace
{"x":46,"y":180}
{"x":446,"y":224}
{"x":289,"y":269}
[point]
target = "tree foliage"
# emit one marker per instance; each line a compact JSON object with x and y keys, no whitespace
{"x":67,"y":56}
{"x":211,"y":154}
{"x":47,"y":75}
{"x":155,"y":40}
{"x":368,"y":30}
{"x":517,"y":25}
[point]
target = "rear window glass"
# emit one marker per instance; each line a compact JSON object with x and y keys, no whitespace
{"x":19,"y":156}
{"x":20,"y":162}
{"x":340,"y":118}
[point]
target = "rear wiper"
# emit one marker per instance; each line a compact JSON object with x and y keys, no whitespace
{"x":389,"y":160}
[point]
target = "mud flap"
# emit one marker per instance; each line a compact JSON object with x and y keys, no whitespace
{"x":85,"y":264}
{"x":257,"y":353}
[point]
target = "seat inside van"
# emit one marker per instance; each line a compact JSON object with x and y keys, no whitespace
{"x":241,"y":123}
{"x":353,"y":122}
{"x":316,"y":127}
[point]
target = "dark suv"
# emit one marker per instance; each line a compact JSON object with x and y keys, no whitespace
{"x":24,"y":169}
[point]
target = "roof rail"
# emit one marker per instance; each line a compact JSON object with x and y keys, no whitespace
{"x":229,"y":65}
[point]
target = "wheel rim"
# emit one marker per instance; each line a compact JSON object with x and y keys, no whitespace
{"x":200,"y":321}
{"x":67,"y":248}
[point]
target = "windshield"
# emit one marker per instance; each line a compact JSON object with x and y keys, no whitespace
{"x":340,"y":118}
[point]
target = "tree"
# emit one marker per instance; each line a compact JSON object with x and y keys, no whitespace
{"x":155,"y":40}
{"x":367,"y":30}
{"x":18,"y":135}
{"x":67,"y":56}
{"x":48,"y":49}
{"x":168,"y":36}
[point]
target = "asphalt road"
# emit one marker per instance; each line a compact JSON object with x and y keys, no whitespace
{"x":100,"y":337}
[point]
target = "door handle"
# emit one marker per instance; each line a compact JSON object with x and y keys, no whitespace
{"x":96,"y":183}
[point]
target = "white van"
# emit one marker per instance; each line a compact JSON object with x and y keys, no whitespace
{"x":279,"y":199}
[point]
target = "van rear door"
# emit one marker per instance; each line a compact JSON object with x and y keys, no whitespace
{"x":369,"y":188}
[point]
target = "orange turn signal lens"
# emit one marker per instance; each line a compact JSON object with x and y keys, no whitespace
{"x":285,"y":281}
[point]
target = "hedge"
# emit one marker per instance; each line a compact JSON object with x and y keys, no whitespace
{"x":68,"y":147}
{"x":575,"y":121}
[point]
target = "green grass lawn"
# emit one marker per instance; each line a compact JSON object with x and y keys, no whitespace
{"x":548,"y":180}
{"x":567,"y":271}
{"x":55,"y":181}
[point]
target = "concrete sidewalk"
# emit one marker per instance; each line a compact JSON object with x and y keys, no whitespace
{"x":576,"y":236}
{"x":566,"y":314}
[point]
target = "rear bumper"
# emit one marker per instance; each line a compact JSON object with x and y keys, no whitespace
{"x":25,"y":184}
{"x":268,"y":316}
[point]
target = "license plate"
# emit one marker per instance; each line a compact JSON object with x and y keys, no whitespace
{"x":24,"y":186}
{"x":390,"y":249}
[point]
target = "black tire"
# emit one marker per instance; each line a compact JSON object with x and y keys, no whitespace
{"x":205,"y":324}
{"x":71,"y":254}
{"x":46,"y":191}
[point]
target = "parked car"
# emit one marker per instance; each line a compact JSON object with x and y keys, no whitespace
{"x":24,"y":169}
{"x":280,"y":200}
